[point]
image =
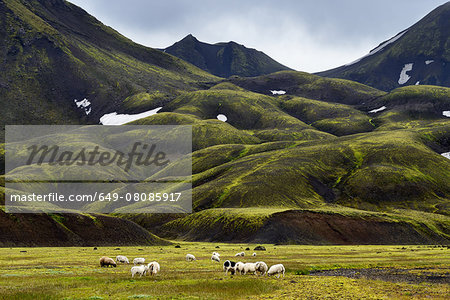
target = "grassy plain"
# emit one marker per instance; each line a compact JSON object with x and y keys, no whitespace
{"x":74,"y":273}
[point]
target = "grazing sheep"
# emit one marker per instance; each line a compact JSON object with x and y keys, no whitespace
{"x":215,"y":258}
{"x":107,"y":261}
{"x":190,"y":257}
{"x":250,"y":268}
{"x":229,"y":266}
{"x":122,"y":259}
{"x":216,"y":254}
{"x":141,"y":270}
{"x":153,"y":268}
{"x":276,"y":269}
{"x":138,"y":260}
{"x":240,"y":254}
{"x":254,"y":254}
{"x":239,"y":268}
{"x":261,"y":267}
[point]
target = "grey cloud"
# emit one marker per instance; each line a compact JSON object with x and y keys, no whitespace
{"x":319,"y":34}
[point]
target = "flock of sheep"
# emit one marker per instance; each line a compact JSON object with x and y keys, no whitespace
{"x":153,"y":268}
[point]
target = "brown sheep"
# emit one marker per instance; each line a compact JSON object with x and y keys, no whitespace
{"x":107,"y":261}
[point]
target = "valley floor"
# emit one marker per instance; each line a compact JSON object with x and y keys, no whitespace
{"x":312,"y":272}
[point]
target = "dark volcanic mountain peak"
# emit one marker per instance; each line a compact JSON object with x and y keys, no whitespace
{"x":224,"y":58}
{"x":418,"y":55}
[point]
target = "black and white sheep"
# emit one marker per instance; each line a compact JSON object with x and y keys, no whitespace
{"x":153,"y":268}
{"x":216,"y":254}
{"x":190,"y":257}
{"x":240,"y":254}
{"x":215,"y":258}
{"x":141,"y":270}
{"x":276,"y":269}
{"x":229,"y":266}
{"x":261,"y":267}
{"x":122,"y":259}
{"x":107,"y":261}
{"x":254,"y":254}
{"x":138,"y":260}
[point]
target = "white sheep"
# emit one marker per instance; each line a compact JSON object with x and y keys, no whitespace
{"x":254,"y":254}
{"x":190,"y":257}
{"x":239,"y":267}
{"x":122,"y":259}
{"x":153,"y":268}
{"x":261,"y":267}
{"x":215,"y":258}
{"x":276,"y":269}
{"x":216,"y":254}
{"x":141,"y":270}
{"x":138,"y":260}
{"x":240,"y":254}
{"x":249,"y":268}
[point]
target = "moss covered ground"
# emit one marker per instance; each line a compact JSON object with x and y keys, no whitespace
{"x":75,"y":273}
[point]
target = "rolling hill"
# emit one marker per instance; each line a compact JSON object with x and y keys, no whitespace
{"x":224,"y":59}
{"x":286,"y":157}
{"x":418,"y":55}
{"x":292,"y":156}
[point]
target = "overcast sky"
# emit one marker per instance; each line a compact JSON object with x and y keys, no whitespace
{"x":306,"y":35}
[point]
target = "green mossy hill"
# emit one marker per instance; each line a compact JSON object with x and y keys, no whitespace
{"x":398,"y":119}
{"x":145,"y":101}
{"x":425,"y":45}
{"x":327,"y":225}
{"x":54,"y":52}
{"x":244,"y":110}
{"x":437,"y":137}
{"x":205,"y":133}
{"x":411,"y":107}
{"x":310,"y":86}
{"x":224,"y":59}
{"x":335,"y":118}
{"x":253,"y":113}
{"x":427,"y":100}
{"x":378,"y":170}
{"x":57,"y":230}
{"x":226,"y":86}
{"x":220,"y":224}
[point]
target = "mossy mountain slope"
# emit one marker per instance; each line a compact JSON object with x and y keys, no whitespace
{"x":308,"y":226}
{"x":224,"y":59}
{"x":54,"y":52}
{"x":328,"y":156}
{"x":422,"y":52}
{"x":59,"y":230}
{"x":388,"y":161}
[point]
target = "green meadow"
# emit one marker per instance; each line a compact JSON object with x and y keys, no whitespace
{"x":75,"y":273}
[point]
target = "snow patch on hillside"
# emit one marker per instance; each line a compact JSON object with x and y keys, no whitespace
{"x":446,"y":113}
{"x":116,"y":119}
{"x":379,"y":48}
{"x":446,"y":155}
{"x":377,"y":110}
{"x":84,"y":104}
{"x":222,"y":117}
{"x":403,"y":76}
{"x":280,"y":92}
{"x":427,"y":62}
{"x":417,"y":83}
